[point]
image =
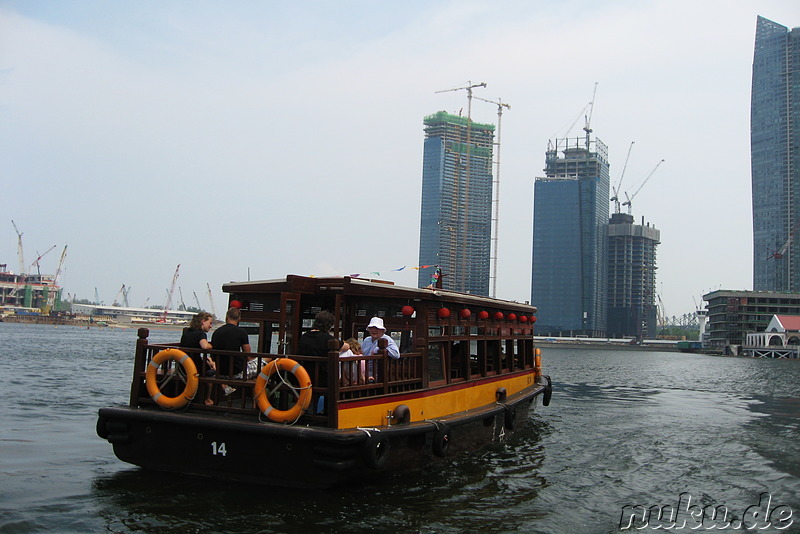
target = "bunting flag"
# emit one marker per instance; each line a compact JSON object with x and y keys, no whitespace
{"x":378,"y":273}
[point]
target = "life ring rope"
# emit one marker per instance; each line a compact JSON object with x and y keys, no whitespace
{"x":262,"y":392}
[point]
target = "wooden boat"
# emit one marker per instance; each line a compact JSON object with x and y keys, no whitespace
{"x":468,"y":374}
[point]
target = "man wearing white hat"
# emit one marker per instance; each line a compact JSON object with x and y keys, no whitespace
{"x":377,"y":331}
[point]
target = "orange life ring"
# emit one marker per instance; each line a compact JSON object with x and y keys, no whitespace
{"x":304,"y":385}
{"x":192,"y":381}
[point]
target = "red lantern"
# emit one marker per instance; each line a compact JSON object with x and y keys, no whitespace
{"x":498,"y":316}
{"x":533,"y":318}
{"x":512,"y":316}
{"x":523,"y":319}
{"x":408,"y":311}
{"x":444,"y":313}
{"x":483,"y":314}
{"x":465,"y":313}
{"x":236,"y":304}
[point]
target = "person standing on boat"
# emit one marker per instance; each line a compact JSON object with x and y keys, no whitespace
{"x":230,"y":336}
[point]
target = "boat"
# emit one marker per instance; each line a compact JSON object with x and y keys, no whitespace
{"x":468,"y":374}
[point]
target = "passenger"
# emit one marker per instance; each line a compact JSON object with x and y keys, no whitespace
{"x":230,"y":336}
{"x":370,"y":345}
{"x":194,"y":337}
{"x":378,"y":331}
{"x":353,"y":373}
{"x":315,"y":341}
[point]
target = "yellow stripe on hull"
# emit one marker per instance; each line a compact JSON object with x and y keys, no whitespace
{"x":433,"y":405}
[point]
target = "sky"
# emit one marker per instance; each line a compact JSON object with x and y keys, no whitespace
{"x":250,"y":140}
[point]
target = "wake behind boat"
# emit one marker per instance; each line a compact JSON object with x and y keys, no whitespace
{"x":468,"y":372}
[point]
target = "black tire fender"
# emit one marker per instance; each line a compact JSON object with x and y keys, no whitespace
{"x":441,"y":440}
{"x":510,"y":417}
{"x":376,"y":450}
{"x":548,"y":392}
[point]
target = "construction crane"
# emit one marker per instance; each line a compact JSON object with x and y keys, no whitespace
{"x":51,"y":295}
{"x":457,"y":186}
{"x":587,"y":125}
{"x":211,"y":300}
{"x":197,"y":300}
{"x":97,"y":298}
{"x":615,"y":189}
{"x":496,"y":200}
{"x":629,"y":199}
{"x":123,"y":292}
{"x":36,"y":263}
{"x":781,"y":252}
{"x":125,"y":301}
{"x":20,"y":254}
{"x":170,"y":291}
{"x":180,"y":294}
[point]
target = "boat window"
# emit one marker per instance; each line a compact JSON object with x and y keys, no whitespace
{"x":459,"y":360}
{"x":406,"y":343}
{"x":436,"y":331}
{"x":457,"y":331}
{"x":435,"y":362}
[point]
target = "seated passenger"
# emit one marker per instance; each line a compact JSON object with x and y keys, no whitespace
{"x":378,"y":331}
{"x":353,"y":373}
{"x":194,"y":337}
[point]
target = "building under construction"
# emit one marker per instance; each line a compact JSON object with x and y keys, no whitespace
{"x":632,"y":309}
{"x":456,"y":219}
{"x":570,"y":217}
{"x":31,"y":293}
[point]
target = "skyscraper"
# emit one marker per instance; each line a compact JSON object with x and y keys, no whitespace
{"x":570,"y":221}
{"x":775,"y":157}
{"x":631,"y":277}
{"x":455,"y":225}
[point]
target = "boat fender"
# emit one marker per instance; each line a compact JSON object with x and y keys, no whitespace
{"x":548,"y":392}
{"x":501,"y":394}
{"x":510,"y":417}
{"x":101,"y":428}
{"x":192,"y":381}
{"x":303,"y":397}
{"x":401,"y":415}
{"x":441,"y":440}
{"x":376,"y":450}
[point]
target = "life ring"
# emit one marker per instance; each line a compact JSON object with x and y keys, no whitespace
{"x":304,"y":385}
{"x":376,"y":450}
{"x":441,"y":440}
{"x":192,"y":381}
{"x":548,"y":392}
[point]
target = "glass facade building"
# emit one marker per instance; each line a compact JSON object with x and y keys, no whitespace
{"x":775,"y":157}
{"x":456,"y":214}
{"x":570,"y":246}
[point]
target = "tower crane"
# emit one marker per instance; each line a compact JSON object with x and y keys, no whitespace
{"x":629,"y":199}
{"x":169,"y":294}
{"x":20,"y":254}
{"x":36,"y":263}
{"x":211,"y":300}
{"x":587,"y":125}
{"x":51,"y":296}
{"x":781,"y":252}
{"x":615,"y":189}
{"x":496,"y":201}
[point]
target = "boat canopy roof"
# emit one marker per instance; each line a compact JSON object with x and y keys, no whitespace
{"x":348,"y":285}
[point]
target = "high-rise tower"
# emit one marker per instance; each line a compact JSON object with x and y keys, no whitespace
{"x":632,"y":278}
{"x":455,"y":225}
{"x":570,"y":255}
{"x":775,"y":157}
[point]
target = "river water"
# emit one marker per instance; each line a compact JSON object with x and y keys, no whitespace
{"x":624,"y":428}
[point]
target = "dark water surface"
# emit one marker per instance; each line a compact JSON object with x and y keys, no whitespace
{"x":624,"y":428}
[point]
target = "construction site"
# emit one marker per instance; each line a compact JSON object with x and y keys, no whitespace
{"x":28,"y":291}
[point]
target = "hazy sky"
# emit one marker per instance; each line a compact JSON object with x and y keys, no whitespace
{"x":271,"y":138}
